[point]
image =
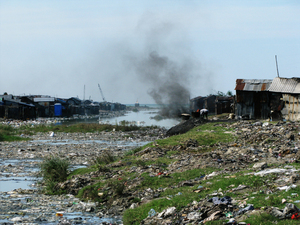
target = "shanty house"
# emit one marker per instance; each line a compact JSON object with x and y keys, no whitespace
{"x":207,"y":102}
{"x":196,"y":103}
{"x":47,"y":102}
{"x":224,"y":104}
{"x":13,"y":109}
{"x":285,"y":98}
{"x":252,"y":98}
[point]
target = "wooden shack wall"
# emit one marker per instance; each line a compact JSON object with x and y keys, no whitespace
{"x":17,"y":112}
{"x":255,"y":105}
{"x":291,"y":109}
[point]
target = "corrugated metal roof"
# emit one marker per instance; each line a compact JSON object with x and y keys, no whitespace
{"x":50,"y":99}
{"x":285,"y":85}
{"x":252,"y":85}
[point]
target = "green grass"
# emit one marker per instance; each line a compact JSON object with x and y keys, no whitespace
{"x":256,"y":193}
{"x":91,"y":192}
{"x":54,"y":170}
{"x":161,"y":181}
{"x":267,"y":219}
{"x":80,"y":127}
{"x":206,"y":134}
{"x":105,"y":158}
{"x":8,"y":133}
{"x":81,"y":171}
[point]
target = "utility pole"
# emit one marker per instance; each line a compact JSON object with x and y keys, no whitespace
{"x":277,"y":66}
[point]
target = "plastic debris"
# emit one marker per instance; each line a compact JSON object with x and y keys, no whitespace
{"x":151,"y":213}
{"x":229,"y":215}
{"x":59,"y":214}
{"x":295,"y":216}
{"x":217,"y":201}
{"x":248,"y":208}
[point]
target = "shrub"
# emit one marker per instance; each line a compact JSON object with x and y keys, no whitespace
{"x":117,"y":187}
{"x":105,"y":158}
{"x":54,"y":169}
{"x":102,"y":168}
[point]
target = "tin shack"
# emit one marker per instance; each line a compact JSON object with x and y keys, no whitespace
{"x":252,"y":98}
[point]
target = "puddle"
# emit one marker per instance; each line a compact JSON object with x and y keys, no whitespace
{"x":90,"y":218}
{"x":74,"y":218}
{"x":11,"y":183}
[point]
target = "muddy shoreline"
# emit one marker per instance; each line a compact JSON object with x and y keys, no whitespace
{"x":20,"y":160}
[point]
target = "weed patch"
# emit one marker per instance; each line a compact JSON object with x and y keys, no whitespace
{"x":54,"y":170}
{"x":206,"y":134}
{"x":105,"y":158}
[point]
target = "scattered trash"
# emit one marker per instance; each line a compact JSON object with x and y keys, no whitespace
{"x":287,"y":188}
{"x":59,"y":214}
{"x":248,"y":208}
{"x":295,"y":216}
{"x":167,"y":212}
{"x":151,"y":213}
{"x":217,"y":201}
{"x":231,"y":221}
{"x":229,"y":215}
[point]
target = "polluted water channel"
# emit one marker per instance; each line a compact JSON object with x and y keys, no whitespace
{"x":149,"y":117}
{"x":21,"y":201}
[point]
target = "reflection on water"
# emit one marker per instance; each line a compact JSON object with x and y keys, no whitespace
{"x":11,"y":183}
{"x":141,"y":118}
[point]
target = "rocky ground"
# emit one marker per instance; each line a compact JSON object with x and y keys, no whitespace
{"x":260,"y":147}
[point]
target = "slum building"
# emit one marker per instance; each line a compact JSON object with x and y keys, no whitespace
{"x":224,"y":104}
{"x":285,"y":98}
{"x":12,"y":108}
{"x":207,"y":102}
{"x":214,"y":104}
{"x":252,"y":98}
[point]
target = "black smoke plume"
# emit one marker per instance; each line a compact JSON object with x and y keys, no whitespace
{"x":169,"y":81}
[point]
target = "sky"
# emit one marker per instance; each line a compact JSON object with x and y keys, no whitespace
{"x":138,"y":49}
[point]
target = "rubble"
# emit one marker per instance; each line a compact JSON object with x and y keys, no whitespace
{"x":260,"y":149}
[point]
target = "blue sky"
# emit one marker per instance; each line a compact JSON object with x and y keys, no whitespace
{"x":58,"y":47}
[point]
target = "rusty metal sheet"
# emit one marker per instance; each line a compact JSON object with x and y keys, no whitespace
{"x":252,"y":84}
{"x":239,"y":85}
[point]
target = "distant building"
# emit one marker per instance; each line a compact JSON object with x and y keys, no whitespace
{"x":214,"y":104}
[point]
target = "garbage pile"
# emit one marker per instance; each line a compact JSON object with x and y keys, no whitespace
{"x":260,"y":148}
{"x":263,"y":148}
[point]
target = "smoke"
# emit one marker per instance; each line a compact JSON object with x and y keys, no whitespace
{"x":168,"y":80}
{"x":165,"y":65}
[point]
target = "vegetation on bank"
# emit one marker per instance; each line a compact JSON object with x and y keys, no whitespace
{"x":10,"y":133}
{"x":81,"y":127}
{"x":260,"y":191}
{"x":53,"y":170}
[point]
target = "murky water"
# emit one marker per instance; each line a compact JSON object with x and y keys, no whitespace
{"x":140,"y":118}
{"x":103,"y":142}
{"x":17,"y":173}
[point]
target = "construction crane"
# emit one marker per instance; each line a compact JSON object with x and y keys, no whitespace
{"x":101,"y":93}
